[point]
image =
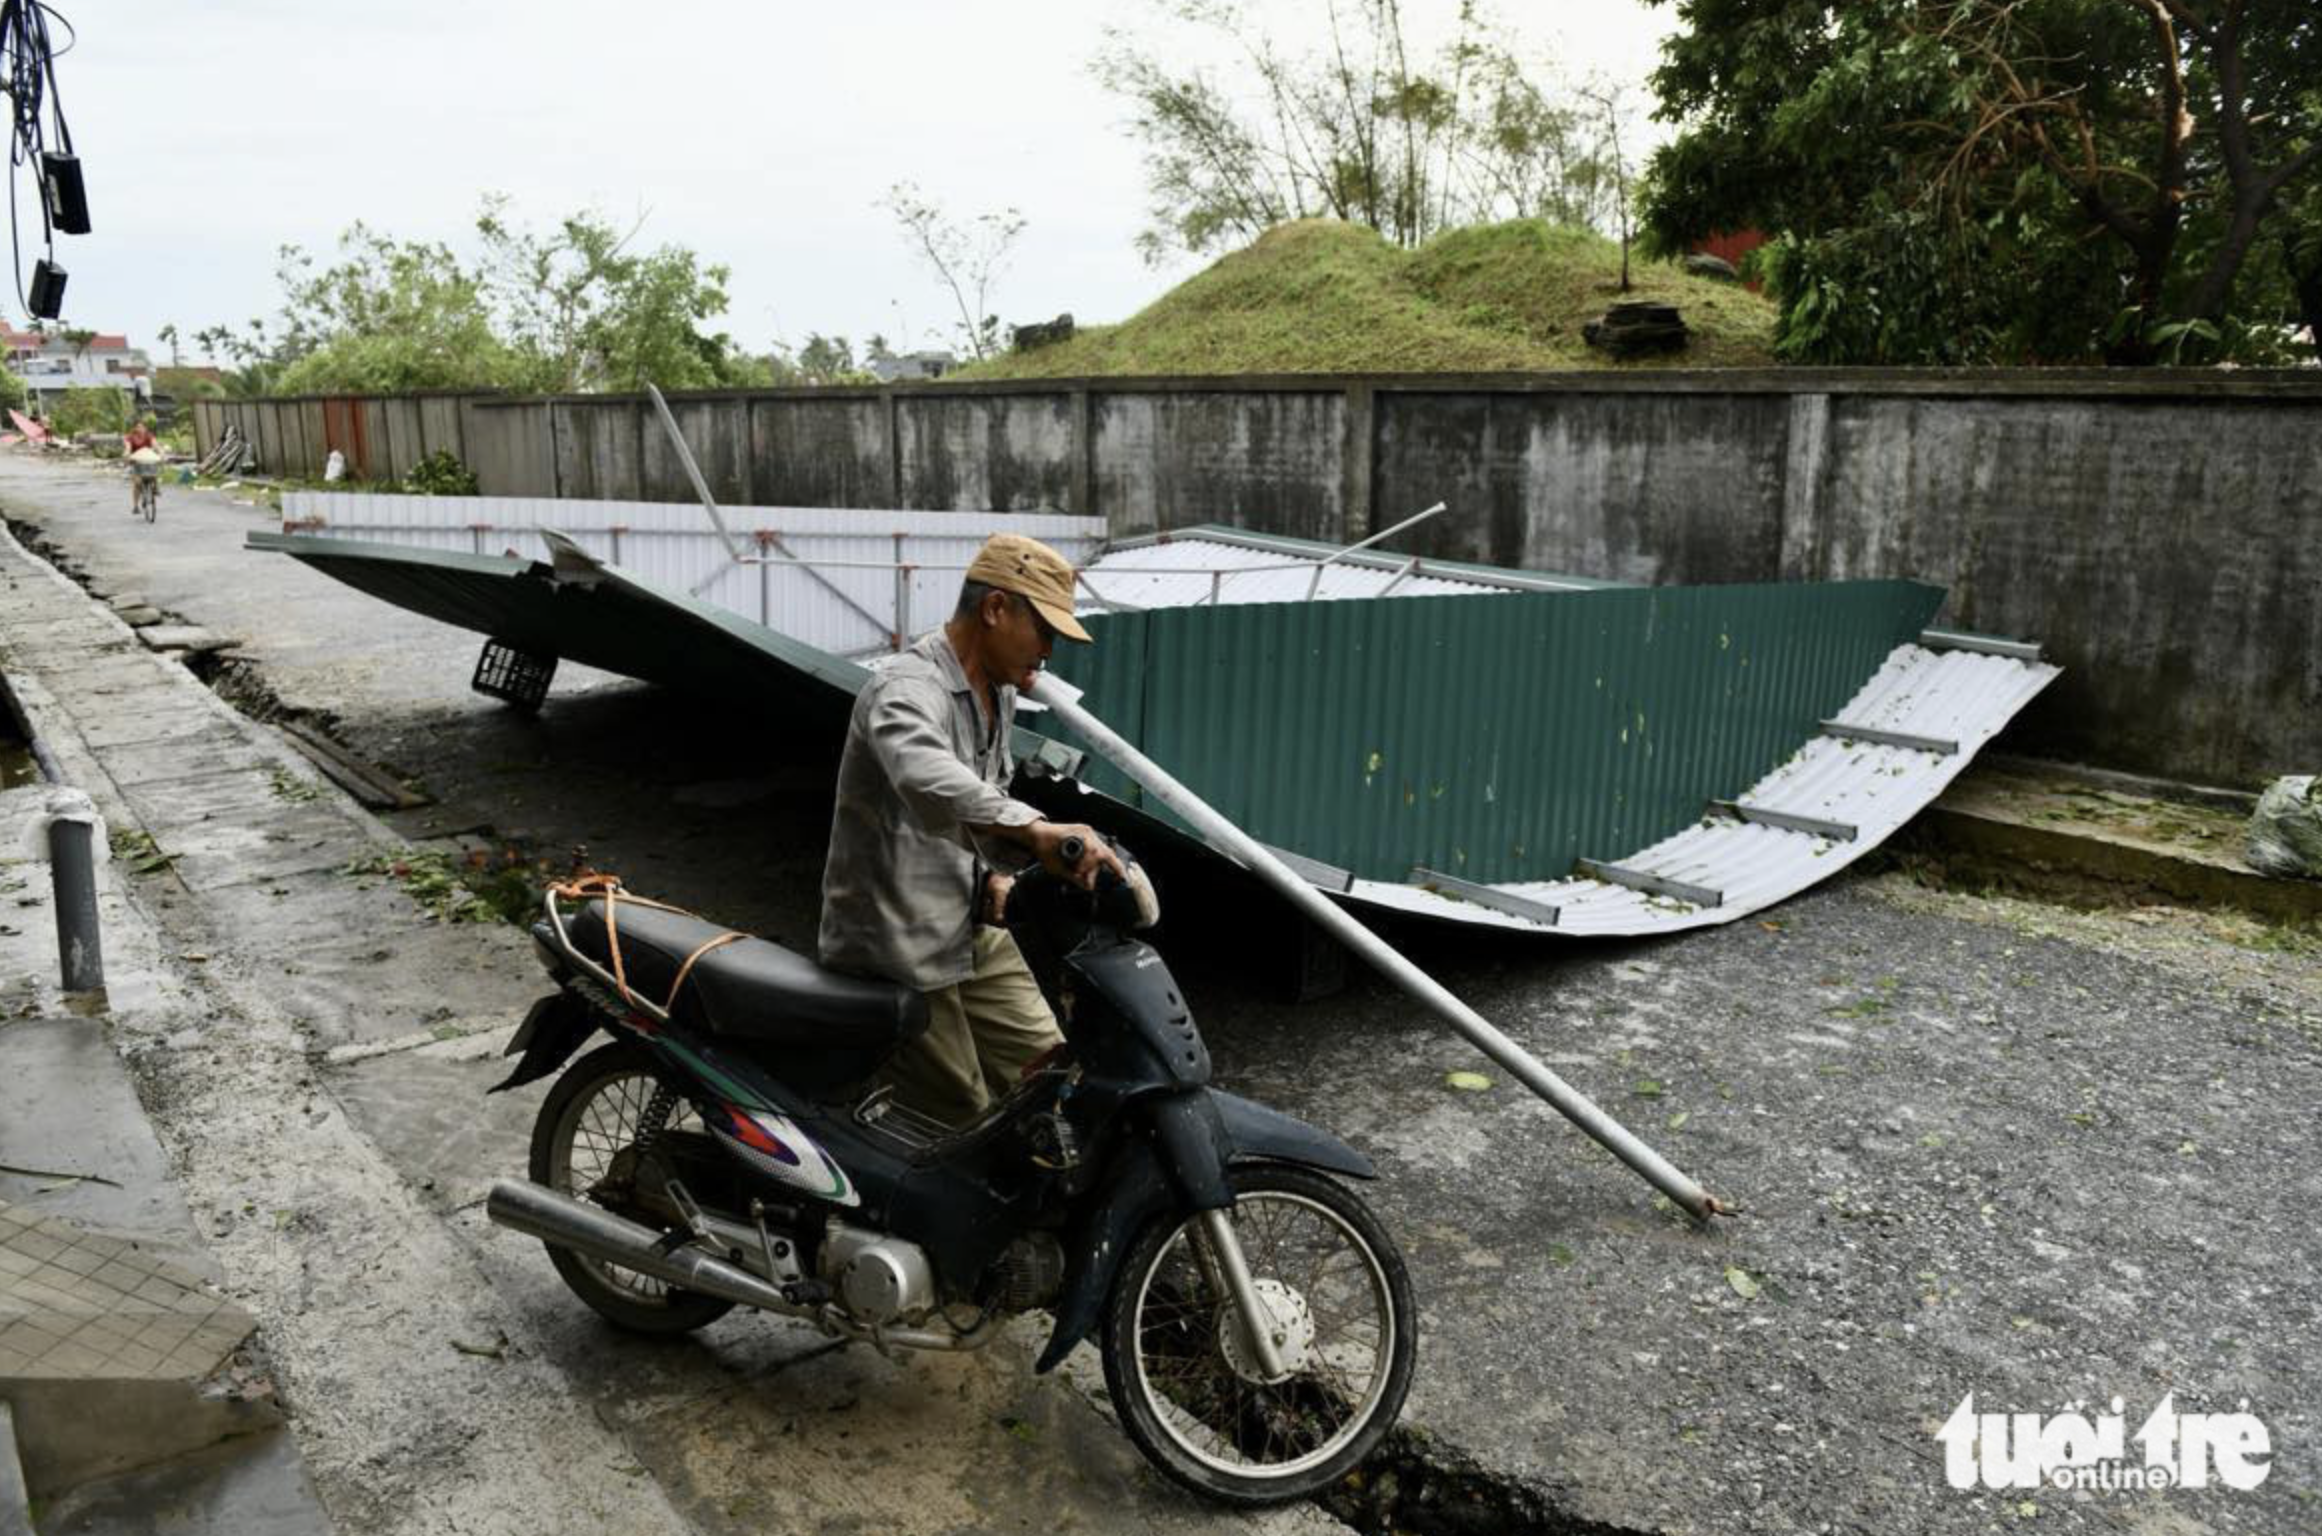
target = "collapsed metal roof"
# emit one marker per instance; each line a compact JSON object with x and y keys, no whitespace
{"x":1571,"y":757}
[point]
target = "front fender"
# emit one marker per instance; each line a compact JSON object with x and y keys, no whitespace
{"x":1259,"y":1134}
{"x":1174,"y":1171}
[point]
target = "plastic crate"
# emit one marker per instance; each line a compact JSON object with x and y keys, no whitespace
{"x":511,"y":673}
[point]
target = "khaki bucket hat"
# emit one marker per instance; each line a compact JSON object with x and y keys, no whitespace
{"x":1014,"y":563}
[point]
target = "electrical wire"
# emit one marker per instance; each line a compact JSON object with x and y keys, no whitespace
{"x":28,"y":79}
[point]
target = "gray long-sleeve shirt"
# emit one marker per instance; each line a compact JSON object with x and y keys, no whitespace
{"x":920,"y":767}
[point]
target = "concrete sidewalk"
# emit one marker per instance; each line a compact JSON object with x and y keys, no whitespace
{"x":122,"y":1363}
{"x":1984,"y":1145}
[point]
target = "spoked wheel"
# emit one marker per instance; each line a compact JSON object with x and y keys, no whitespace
{"x":593,"y":1127}
{"x":1180,"y":1369}
{"x":149,"y":497}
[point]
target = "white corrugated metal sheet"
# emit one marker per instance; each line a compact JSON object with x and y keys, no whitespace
{"x":825,"y":576}
{"x":1188,"y":571}
{"x":1957,"y":696}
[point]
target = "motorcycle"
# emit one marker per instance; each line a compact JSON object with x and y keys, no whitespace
{"x":1254,"y":1318}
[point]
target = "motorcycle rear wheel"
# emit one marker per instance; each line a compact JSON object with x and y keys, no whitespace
{"x":583,"y":1144}
{"x":1177,"y":1369}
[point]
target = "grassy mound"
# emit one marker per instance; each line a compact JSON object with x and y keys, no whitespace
{"x":1320,"y":296}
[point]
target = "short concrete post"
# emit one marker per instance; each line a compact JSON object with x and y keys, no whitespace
{"x":73,"y":827}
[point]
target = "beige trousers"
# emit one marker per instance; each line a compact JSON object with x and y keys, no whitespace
{"x":981,"y":1034}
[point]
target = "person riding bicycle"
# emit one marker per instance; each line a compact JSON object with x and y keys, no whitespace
{"x":907,"y":892}
{"x":139,"y":439}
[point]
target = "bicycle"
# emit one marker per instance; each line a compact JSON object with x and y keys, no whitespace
{"x":148,"y":498}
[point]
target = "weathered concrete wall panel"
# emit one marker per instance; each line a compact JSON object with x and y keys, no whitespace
{"x":994,"y":453}
{"x":443,"y":425}
{"x":2167,"y":553}
{"x":1263,"y":460}
{"x":508,"y":447}
{"x":307,"y":432}
{"x":718,"y":434}
{"x":600,"y":449}
{"x":821,"y":452}
{"x":266,"y":419}
{"x":1623,"y":487}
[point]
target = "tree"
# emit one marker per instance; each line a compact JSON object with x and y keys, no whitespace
{"x":965,"y":260}
{"x":388,"y":317}
{"x":1611,"y":103}
{"x":583,"y":311}
{"x":823,"y":360}
{"x":1352,"y":131}
{"x":2002,"y":180}
{"x":570,"y":311}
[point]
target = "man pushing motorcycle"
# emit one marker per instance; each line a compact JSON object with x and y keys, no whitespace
{"x":912,"y":891}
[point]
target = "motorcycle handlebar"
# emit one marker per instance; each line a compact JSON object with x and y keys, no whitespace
{"x":1073,"y":849}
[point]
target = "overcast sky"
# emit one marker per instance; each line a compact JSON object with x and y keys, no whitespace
{"x":761,"y":135}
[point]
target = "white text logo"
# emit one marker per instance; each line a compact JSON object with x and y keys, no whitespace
{"x":2073,"y":1450}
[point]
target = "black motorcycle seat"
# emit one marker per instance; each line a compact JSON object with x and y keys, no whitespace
{"x":751,"y":989}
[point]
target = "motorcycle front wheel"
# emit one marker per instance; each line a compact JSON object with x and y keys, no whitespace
{"x":587,"y":1141}
{"x":1180,"y":1371}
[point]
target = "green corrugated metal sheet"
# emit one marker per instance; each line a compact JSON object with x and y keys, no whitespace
{"x":1494,"y":739}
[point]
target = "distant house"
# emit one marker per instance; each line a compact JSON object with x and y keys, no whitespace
{"x":906,"y":367}
{"x":49,"y":364}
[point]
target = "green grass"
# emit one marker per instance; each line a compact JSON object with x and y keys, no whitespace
{"x":1320,"y":296}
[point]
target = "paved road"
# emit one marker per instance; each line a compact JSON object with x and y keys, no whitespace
{"x":315,"y":1063}
{"x":1984,"y":1146}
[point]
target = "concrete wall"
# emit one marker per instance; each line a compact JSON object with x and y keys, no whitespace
{"x":2160,"y":532}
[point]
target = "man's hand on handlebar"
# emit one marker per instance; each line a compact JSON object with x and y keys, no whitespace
{"x":1056,"y":845}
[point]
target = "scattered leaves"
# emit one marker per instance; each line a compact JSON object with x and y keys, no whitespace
{"x":1745,"y":1284}
{"x":1467,"y":1082}
{"x":140,"y":853}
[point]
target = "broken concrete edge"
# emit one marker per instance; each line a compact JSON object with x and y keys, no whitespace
{"x":1418,"y":1485}
{"x":2239,"y":802}
{"x":47,"y":721}
{"x":71,"y":1433}
{"x":2076,"y":868}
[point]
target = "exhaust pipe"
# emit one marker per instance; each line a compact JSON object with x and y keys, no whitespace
{"x":563,"y":1222}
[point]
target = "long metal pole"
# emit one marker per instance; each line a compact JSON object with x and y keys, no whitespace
{"x":1383,"y":534}
{"x":1221,"y":833}
{"x":693,"y":473}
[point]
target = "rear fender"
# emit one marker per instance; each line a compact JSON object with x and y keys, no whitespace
{"x":556,"y":1027}
{"x":1178,"y":1169}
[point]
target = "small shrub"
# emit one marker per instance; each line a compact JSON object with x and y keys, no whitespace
{"x":90,"y":410}
{"x":441,"y":474}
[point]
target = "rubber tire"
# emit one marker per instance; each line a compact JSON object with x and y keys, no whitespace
{"x":1122,"y":1379}
{"x":679,"y":1311}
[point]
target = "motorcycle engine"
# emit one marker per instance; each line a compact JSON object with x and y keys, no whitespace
{"x":1029,"y":1273}
{"x":880,"y":1279}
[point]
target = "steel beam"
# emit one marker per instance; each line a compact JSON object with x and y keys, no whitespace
{"x":1645,"y":880}
{"x":1788,"y":821}
{"x":1486,"y":896}
{"x":1941,"y":746}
